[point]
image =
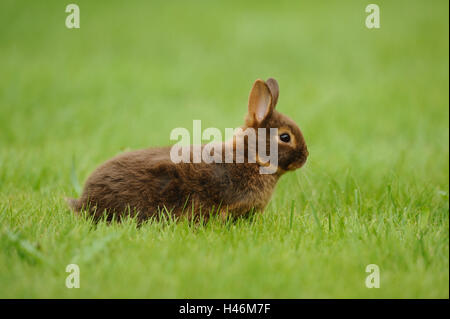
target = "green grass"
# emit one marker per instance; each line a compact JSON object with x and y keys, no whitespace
{"x":373,"y":106}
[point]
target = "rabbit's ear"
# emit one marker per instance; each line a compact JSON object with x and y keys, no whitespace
{"x":274,"y":90}
{"x":259,"y":103}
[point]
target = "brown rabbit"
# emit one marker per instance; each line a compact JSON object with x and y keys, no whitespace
{"x":144,"y":182}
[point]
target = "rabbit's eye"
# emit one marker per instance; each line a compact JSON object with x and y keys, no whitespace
{"x":285,"y":137}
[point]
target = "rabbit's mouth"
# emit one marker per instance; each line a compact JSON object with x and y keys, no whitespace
{"x":296,"y":165}
{"x":300,"y":162}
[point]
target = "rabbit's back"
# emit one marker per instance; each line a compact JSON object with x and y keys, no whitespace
{"x":147,"y":181}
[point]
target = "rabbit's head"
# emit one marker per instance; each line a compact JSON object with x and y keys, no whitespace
{"x":292,"y":150}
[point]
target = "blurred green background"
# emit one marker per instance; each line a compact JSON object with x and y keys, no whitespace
{"x":373,"y":106}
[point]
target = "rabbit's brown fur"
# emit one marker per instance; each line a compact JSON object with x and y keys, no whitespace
{"x":146,"y":181}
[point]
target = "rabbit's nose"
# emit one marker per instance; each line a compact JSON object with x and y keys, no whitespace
{"x":304,"y":153}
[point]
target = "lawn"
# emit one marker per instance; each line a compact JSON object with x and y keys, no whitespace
{"x":373,"y":105}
